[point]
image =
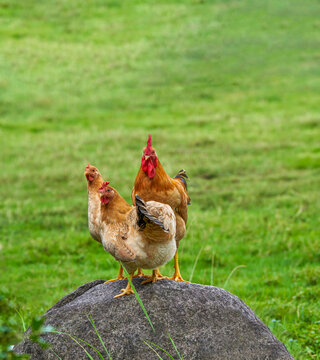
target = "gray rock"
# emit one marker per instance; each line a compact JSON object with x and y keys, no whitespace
{"x":205,"y":322}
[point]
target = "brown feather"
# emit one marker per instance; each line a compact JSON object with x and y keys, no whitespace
{"x":116,"y":211}
{"x":164,"y":189}
{"x":115,"y":223}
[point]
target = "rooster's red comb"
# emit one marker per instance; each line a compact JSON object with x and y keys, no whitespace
{"x":88,"y":166}
{"x":149,"y":145}
{"x":104,"y":185}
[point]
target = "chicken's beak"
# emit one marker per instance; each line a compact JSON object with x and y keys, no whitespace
{"x":146,"y":157}
{"x":88,"y":175}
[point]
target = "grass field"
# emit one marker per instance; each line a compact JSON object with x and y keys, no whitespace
{"x":229,"y":90}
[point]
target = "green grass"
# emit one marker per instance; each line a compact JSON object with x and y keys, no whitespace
{"x":230,"y":92}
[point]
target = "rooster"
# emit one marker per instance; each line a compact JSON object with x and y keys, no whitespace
{"x":153,"y":183}
{"x":141,"y":236}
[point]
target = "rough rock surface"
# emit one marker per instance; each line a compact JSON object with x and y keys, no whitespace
{"x":205,"y":322}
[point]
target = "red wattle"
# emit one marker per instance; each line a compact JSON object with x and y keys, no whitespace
{"x":149,"y":166}
{"x":151,"y":169}
{"x":104,"y":200}
{"x":144,"y":164}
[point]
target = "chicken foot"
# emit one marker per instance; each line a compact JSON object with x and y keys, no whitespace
{"x":128,"y":290}
{"x":140,"y":273}
{"x":119,"y":276}
{"x":177,"y":276}
{"x":154,"y":277}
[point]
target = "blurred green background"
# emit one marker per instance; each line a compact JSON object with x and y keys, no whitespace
{"x":229,"y":91}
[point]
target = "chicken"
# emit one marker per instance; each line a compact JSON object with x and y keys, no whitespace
{"x":141,"y":236}
{"x":146,"y":239}
{"x":94,"y":182}
{"x":153,"y":183}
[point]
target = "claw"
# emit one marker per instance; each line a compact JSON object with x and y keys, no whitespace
{"x":177,"y":276}
{"x":140,"y":273}
{"x":127,"y":291}
{"x":119,"y":276}
{"x":155,"y":277}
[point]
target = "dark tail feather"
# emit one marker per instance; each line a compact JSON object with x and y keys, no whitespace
{"x":182,"y":175}
{"x":143,"y":214}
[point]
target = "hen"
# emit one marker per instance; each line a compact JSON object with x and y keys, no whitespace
{"x":153,"y":183}
{"x":141,"y":236}
{"x":94,"y":182}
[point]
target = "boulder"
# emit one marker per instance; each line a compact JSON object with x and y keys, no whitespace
{"x":204,"y":322}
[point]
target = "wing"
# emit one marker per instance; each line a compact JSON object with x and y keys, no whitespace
{"x":180,"y":182}
{"x":123,"y":252}
{"x":114,"y":242}
{"x":164,"y":214}
{"x":146,"y":211}
{"x":180,"y":228}
{"x":182,"y":208}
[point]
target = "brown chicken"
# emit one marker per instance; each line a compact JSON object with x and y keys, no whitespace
{"x":153,"y":183}
{"x":94,"y":182}
{"x":141,"y":236}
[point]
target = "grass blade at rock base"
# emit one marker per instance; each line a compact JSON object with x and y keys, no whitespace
{"x":56,"y":354}
{"x":89,"y":356}
{"x":153,"y":349}
{"x":159,"y":347}
{"x":95,"y":328}
{"x":74,"y":339}
{"x":195,"y":264}
{"x":174,"y":345}
{"x":237,"y":267}
{"x":138,"y":298}
{"x":21,"y":318}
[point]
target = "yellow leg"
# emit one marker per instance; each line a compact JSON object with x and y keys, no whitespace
{"x":155,"y":277}
{"x":177,"y":276}
{"x":128,"y":290}
{"x":139,"y":273}
{"x":119,"y":276}
{"x":159,"y":274}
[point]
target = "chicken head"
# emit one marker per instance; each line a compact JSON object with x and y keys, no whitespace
{"x":149,"y":160}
